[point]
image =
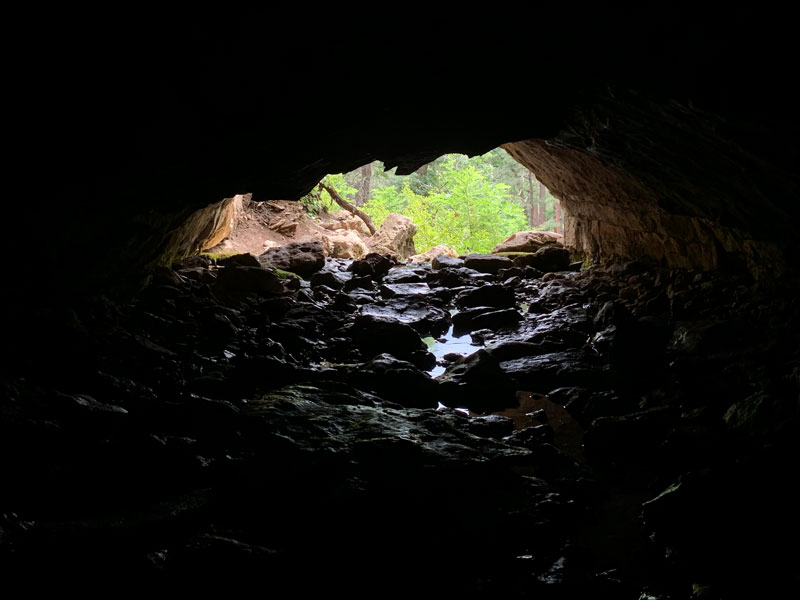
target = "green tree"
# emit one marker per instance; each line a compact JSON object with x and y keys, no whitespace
{"x":463,"y":208}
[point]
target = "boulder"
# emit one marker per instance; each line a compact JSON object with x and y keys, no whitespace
{"x":395,"y":237}
{"x":547,"y":259}
{"x":343,"y":220}
{"x":410,"y":310}
{"x":242,"y":260}
{"x":487,"y":263}
{"x":478,"y":383}
{"x":344,"y":243}
{"x":484,"y":317}
{"x":328,"y":279}
{"x":376,"y":335}
{"x":372,"y":265}
{"x":495,"y":296}
{"x":303,"y":258}
{"x":430,"y":255}
{"x":444,"y":261}
{"x":395,"y":380}
{"x":528,"y":241}
{"x":249,"y":279}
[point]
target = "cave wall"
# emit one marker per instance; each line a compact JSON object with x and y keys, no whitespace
{"x":644,"y":178}
{"x":669,"y":133}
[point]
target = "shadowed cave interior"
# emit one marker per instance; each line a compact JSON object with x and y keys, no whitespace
{"x":632,"y":400}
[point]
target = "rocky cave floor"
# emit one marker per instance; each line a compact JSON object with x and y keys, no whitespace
{"x":230,"y":425}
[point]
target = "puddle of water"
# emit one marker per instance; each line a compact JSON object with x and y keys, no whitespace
{"x":445,"y":345}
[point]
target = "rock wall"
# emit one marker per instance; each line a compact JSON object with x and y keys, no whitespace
{"x":681,"y":190}
{"x":205,"y":228}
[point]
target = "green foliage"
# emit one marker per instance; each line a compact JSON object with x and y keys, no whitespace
{"x":462,"y":208}
{"x":470,"y":204}
{"x":318,"y":200}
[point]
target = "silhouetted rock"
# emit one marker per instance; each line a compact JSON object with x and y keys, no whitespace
{"x":303,"y":258}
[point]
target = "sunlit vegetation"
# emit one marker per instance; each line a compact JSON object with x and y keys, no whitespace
{"x":470,"y":204}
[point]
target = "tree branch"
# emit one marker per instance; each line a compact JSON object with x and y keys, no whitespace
{"x":348,"y":207}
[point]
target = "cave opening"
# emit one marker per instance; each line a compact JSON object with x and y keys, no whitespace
{"x":625,"y":426}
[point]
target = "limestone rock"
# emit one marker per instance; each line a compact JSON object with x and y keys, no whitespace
{"x":344,"y":243}
{"x":303,"y":258}
{"x":395,"y":237}
{"x":433,"y":253}
{"x":345,"y":221}
{"x":528,"y":241}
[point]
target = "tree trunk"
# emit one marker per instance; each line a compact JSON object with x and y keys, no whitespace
{"x":349,"y":207}
{"x":362,"y":195}
{"x":529,"y":203}
{"x":558,"y":227}
{"x":542,"y":204}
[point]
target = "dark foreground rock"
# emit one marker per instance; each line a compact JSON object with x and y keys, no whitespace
{"x":227,"y":427}
{"x":303,"y":258}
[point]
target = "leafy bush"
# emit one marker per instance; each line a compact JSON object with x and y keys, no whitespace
{"x":464,"y":209}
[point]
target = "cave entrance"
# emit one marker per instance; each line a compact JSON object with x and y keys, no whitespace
{"x":456,"y":204}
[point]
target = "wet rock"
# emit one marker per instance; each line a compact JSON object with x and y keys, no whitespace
{"x":444,"y":261}
{"x":303,"y":258}
{"x":462,"y":320}
{"x":242,"y":260}
{"x":485,"y":318}
{"x":249,"y":279}
{"x":395,"y":380}
{"x":401,"y":275}
{"x":275,"y":308}
{"x":392,"y":290}
{"x":362,"y":297}
{"x":545,"y":372}
{"x":490,"y":426}
{"x":613,"y":313}
{"x":488,"y":295}
{"x":527,"y":241}
{"x":504,"y":274}
{"x":477,"y":382}
{"x":487,"y":263}
{"x":452,"y":278}
{"x":414,"y":311}
{"x":344,"y":303}
{"x":375,"y":335}
{"x":372,"y":265}
{"x":364,"y":282}
{"x":328,"y":279}
{"x":199,"y":274}
{"x":531,"y":272}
